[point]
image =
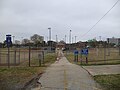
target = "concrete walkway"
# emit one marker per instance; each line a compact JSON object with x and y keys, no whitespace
{"x":103,"y":69}
{"x":63,"y":75}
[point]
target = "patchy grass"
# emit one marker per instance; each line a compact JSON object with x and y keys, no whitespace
{"x":70,"y":57}
{"x":14,"y":78}
{"x":50,"y":58}
{"x":94,"y":60}
{"x":109,"y":82}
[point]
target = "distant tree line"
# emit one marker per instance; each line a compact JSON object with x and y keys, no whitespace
{"x":38,"y":41}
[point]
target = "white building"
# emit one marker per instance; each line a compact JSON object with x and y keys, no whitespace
{"x":113,"y":40}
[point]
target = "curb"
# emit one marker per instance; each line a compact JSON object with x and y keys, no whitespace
{"x":34,"y":79}
{"x":87,"y":71}
{"x":93,"y":78}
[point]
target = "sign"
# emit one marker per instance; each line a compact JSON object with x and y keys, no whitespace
{"x":84,"y":51}
{"x":76,"y":52}
{"x":8,"y":40}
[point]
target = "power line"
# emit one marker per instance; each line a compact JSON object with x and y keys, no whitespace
{"x":101,"y":18}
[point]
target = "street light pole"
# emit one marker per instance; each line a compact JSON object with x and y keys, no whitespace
{"x":49,"y":34}
{"x":70,"y":40}
{"x":75,"y":38}
{"x":56,"y":39}
{"x":65,"y":38}
{"x":50,"y":42}
{"x":47,"y":39}
{"x":70,"y":37}
{"x":13,"y":39}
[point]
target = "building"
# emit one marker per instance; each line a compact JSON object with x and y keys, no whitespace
{"x":113,"y":40}
{"x":60,"y":46}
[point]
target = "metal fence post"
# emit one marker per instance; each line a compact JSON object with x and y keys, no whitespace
{"x":104,"y":54}
{"x":15,"y":57}
{"x":81,"y":58}
{"x":86,"y":60}
{"x":43,"y":56}
{"x":119,"y":49}
{"x":19,"y":56}
{"x":0,"y":56}
{"x":24,"y":55}
{"x":29,"y":55}
{"x":8,"y":57}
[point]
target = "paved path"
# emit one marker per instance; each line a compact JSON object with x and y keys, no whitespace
{"x":63,"y":75}
{"x":103,"y":69}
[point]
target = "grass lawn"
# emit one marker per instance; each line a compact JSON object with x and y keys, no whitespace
{"x":14,"y":78}
{"x":95,"y":60}
{"x":109,"y":82}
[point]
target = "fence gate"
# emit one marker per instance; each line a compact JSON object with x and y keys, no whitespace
{"x":36,"y":57}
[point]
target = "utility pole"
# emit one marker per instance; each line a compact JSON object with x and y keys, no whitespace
{"x":108,"y":47}
{"x":56,"y":39}
{"x":70,"y":37}
{"x":70,"y":40}
{"x":50,"y":42}
{"x":75,"y":38}
{"x":13,"y":39}
{"x":49,"y":34}
{"x":65,"y":38}
{"x":47,"y":39}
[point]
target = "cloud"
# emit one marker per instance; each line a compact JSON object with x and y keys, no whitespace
{"x":35,"y":16}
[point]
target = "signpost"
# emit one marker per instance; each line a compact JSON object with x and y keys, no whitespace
{"x":85,"y":52}
{"x":76,"y":55}
{"x":8,"y":42}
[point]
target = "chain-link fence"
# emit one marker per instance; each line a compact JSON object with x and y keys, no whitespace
{"x":16,"y":56}
{"x":103,"y":55}
{"x":97,"y":56}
